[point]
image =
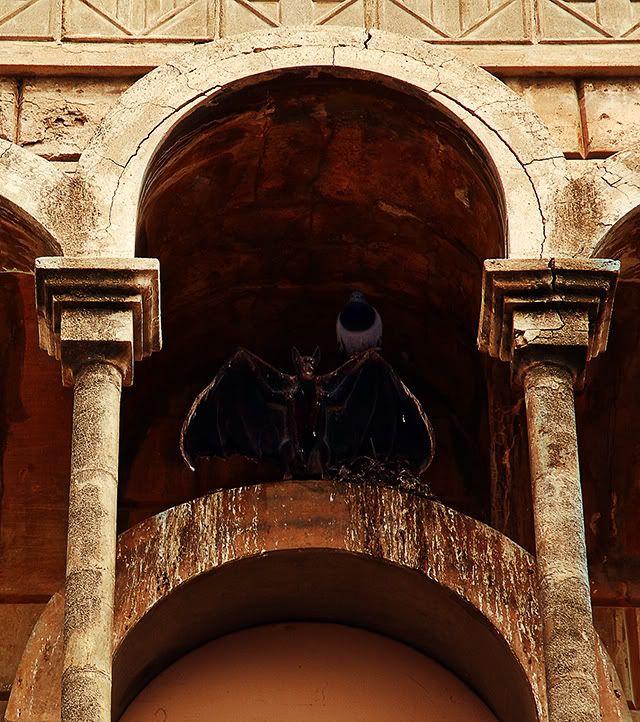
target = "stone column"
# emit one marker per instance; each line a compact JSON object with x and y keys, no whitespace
{"x":549,"y":318}
{"x":97,"y":316}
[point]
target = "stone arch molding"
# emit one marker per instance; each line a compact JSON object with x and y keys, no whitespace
{"x":528,"y":166}
{"x":614,"y":194}
{"x":94,"y":212}
{"x":28,"y":185}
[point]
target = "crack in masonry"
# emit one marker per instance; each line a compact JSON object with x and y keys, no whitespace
{"x":556,"y":292}
{"x":614,"y":185}
{"x":552,"y":268}
{"x":19,"y":106}
{"x":268,"y":57}
{"x":524,"y":167}
{"x":202,"y":93}
{"x":540,"y":160}
{"x":542,"y":215}
{"x":367,"y":40}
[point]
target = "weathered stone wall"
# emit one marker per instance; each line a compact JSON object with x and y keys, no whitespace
{"x":56,"y":117}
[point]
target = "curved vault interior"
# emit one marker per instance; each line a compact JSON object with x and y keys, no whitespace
{"x":22,"y":241}
{"x":609,"y":429}
{"x":266,"y":207}
{"x":332,"y":672}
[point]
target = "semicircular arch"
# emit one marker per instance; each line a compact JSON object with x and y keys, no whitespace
{"x":27,"y":183}
{"x":367,"y":556}
{"x":602,"y":207}
{"x":529,"y":168}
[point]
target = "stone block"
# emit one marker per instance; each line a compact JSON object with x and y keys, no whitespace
{"x":16,"y":623}
{"x":469,"y":20}
{"x":30,"y":19}
{"x":555,"y":100}
{"x":124,"y":19}
{"x":612,"y":112}
{"x":8,"y":108}
{"x":59,"y":115}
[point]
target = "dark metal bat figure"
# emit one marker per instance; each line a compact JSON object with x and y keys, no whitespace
{"x":311,"y":425}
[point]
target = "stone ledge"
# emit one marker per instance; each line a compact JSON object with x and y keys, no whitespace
{"x":602,"y":58}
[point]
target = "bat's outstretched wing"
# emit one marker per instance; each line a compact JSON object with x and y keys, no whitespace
{"x":366,"y":411}
{"x":244,"y":410}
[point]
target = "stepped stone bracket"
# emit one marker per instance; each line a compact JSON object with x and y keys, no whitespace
{"x":553,"y":303}
{"x":98,"y":309}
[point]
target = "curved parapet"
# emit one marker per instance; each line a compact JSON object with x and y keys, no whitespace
{"x":368,"y":556}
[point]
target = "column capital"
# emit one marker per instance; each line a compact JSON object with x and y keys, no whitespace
{"x":547,"y":308}
{"x":98,"y":309}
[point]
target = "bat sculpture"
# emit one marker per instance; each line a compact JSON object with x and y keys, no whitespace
{"x":311,"y":425}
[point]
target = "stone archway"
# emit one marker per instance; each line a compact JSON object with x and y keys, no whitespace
{"x":26,"y":228}
{"x":315,"y":551}
{"x":528,"y":167}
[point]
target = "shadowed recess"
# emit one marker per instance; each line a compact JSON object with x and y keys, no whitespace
{"x":22,"y":241}
{"x":269,"y":205}
{"x":609,"y":429}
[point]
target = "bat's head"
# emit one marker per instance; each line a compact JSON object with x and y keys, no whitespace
{"x":306,"y":365}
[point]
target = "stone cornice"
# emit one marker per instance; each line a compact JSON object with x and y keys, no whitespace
{"x":551,"y":304}
{"x":98,"y":308}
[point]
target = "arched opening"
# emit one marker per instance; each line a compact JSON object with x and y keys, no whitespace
{"x":323,"y":585}
{"x":266,"y":207}
{"x":31,"y":404}
{"x":608,"y":432}
{"x":371,"y":558}
{"x":285,"y":672}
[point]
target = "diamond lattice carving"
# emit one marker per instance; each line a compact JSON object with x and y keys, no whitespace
{"x":464,"y":20}
{"x":589,"y":20}
{"x":171,"y":19}
{"x":244,"y":15}
{"x":27,"y":19}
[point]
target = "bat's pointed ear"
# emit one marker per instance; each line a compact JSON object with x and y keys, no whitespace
{"x":295,"y":357}
{"x":316,"y":356}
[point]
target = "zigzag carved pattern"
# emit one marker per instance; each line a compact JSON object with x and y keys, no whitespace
{"x":134,"y":18}
{"x":585,"y":19}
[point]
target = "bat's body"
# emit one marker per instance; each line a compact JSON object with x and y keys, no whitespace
{"x":312,"y":425}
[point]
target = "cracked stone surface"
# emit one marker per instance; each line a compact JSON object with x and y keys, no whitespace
{"x":58,"y":116}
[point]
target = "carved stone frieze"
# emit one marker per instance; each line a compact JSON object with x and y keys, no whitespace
{"x":448,"y":21}
{"x":179,"y":20}
{"x":29,"y":19}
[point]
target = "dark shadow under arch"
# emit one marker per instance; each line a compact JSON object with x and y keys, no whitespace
{"x":331,"y":586}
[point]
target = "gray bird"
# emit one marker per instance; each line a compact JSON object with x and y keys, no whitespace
{"x":358,"y":326}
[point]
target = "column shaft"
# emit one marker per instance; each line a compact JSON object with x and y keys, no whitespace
{"x":91,"y":545}
{"x":565,"y":601}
